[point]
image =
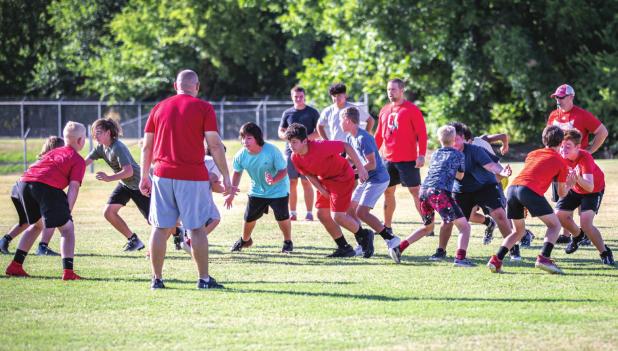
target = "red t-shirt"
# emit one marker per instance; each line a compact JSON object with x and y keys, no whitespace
{"x":401,"y":129}
{"x":57,"y":168}
{"x":178,"y":124}
{"x":540,"y":168}
{"x":577,"y":118}
{"x":324,"y":160}
{"x":584,"y":164}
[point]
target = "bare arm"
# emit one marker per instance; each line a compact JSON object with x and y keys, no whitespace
{"x":217,"y":151}
{"x":362,"y":172}
{"x":270,"y":180}
{"x":497,"y":169}
{"x":145,"y":185}
{"x":127,"y":171}
{"x":89,"y":162}
{"x":234,"y":189}
{"x":459,"y":175}
{"x":371,"y":162}
{"x":322,"y":131}
{"x":502,"y":138}
{"x":586,"y":181}
{"x":370,"y":124}
{"x":281,"y":133}
{"x":72,"y":193}
{"x":600,"y":134}
{"x":316,"y":184}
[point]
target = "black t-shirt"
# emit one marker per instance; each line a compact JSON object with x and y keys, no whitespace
{"x":307,"y":117}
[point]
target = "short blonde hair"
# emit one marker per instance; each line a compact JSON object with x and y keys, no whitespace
{"x":74,"y":130}
{"x":446,"y":135}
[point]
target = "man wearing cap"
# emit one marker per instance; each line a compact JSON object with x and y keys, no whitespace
{"x":568,"y":116}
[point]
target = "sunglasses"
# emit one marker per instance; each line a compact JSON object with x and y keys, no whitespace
{"x":562,"y":97}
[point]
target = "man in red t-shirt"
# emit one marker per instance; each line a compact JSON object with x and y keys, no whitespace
{"x":401,"y":137}
{"x":40,"y":191}
{"x":331,"y":174}
{"x":527,"y":191}
{"x":173,"y":141}
{"x":585,"y":195}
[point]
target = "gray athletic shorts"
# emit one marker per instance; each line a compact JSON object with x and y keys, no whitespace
{"x":171,"y":199}
{"x":367,"y":194}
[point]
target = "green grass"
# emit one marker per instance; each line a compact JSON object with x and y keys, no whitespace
{"x":304,"y":301}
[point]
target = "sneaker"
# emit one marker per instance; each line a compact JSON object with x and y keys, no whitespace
{"x":69,"y":274}
{"x":358,"y":251}
{"x":489,"y":232}
{"x":431,"y":234}
{"x":240,"y":244}
{"x":44,"y":250}
{"x":178,"y":239}
{"x":514,"y":253}
{"x":293,"y":217}
{"x":4,"y":246}
{"x":573,"y":245}
{"x":309,"y":217}
{"x":134,"y":244}
{"x":585,"y":241}
{"x":211,"y":284}
{"x":526,"y":241}
{"x":547,"y":265}
{"x":395,"y":254}
{"x":463,"y":263}
{"x":563,"y":239}
{"x":439,"y":255}
{"x":367,"y":243}
{"x":607,"y":257}
{"x":346,"y":251}
{"x":186,"y":244}
{"x":287,"y":247}
{"x":157,"y":284}
{"x":16,"y":270}
{"x":394,"y":242}
{"x":494,"y":264}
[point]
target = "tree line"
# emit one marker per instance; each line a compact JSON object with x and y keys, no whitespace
{"x":491,"y":64}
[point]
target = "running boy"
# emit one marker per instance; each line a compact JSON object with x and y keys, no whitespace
{"x":435,"y":194}
{"x":331,"y":174}
{"x":116,"y":154}
{"x":270,"y":185}
{"x":41,"y":195}
{"x":585,"y":195}
{"x":367,"y":194}
{"x":527,"y":190}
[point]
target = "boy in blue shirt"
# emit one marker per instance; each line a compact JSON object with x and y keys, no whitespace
{"x":269,"y":185}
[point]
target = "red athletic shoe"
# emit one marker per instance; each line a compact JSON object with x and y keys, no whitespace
{"x":494,"y":264}
{"x":16,"y":270}
{"x":69,"y":274}
{"x":293,"y":217}
{"x":547,"y":265}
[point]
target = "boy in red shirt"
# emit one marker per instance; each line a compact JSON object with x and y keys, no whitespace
{"x":527,"y":190}
{"x":331,"y":174}
{"x":586,"y":194}
{"x":40,"y":193}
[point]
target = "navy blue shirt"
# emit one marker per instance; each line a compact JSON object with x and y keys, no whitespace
{"x":444,"y":165}
{"x":307,"y":117}
{"x":476,"y":175}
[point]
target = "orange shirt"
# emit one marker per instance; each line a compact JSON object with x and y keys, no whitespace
{"x":540,"y":168}
{"x":584,"y":164}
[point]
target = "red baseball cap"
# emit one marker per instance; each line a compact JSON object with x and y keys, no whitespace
{"x":563,"y":91}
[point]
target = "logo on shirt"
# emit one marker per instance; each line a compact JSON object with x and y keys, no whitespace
{"x":392,"y":123}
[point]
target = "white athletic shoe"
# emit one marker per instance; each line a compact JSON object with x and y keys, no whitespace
{"x":358,"y":250}
{"x":394,"y":242}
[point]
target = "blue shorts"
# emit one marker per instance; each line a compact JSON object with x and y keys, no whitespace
{"x":171,"y":199}
{"x":367,"y":194}
{"x":292,"y":171}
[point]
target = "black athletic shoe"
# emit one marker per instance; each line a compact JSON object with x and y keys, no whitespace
{"x":240,"y":244}
{"x":133,"y":244}
{"x":365,"y":240}
{"x":607,"y":257}
{"x":439,"y":255}
{"x":157,"y":284}
{"x":287,"y":246}
{"x":585,"y":241}
{"x":514,"y":253}
{"x":563,"y":239}
{"x":526,"y":241}
{"x":178,"y":239}
{"x":211,"y":284}
{"x":489,"y":232}
{"x":573,"y":244}
{"x":431,"y":234}
{"x":4,"y":246}
{"x":347,"y":251}
{"x":44,"y":250}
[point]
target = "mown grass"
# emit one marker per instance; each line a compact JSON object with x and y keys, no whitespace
{"x":304,"y":301}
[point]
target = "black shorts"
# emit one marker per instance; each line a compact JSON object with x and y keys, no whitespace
{"x":488,"y":198}
{"x":404,"y":173}
{"x":41,"y":200}
{"x":122,"y":194}
{"x":258,"y":206}
{"x":588,"y":202}
{"x":292,"y":171}
{"x":21,"y":213}
{"x":519,"y":196}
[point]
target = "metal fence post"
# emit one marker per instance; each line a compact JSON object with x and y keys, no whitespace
{"x":139,"y":120}
{"x":21,"y":118}
{"x":89,"y":131}
{"x":99,"y":110}
{"x":222,"y":117}
{"x":264,"y":110}
{"x":59,"y":118}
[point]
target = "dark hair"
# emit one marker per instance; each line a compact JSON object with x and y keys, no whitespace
{"x":352,"y":114}
{"x":573,"y":135}
{"x":51,"y":143}
{"x":552,"y":136}
{"x":337,"y":88}
{"x":252,"y":129}
{"x":108,"y":124}
{"x":461,"y":129}
{"x":297,"y":89}
{"x":399,"y":82}
{"x":296,"y":130}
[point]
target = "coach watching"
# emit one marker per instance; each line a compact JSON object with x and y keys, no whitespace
{"x":173,"y":141}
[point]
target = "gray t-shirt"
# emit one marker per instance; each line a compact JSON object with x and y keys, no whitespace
{"x":329,"y":118}
{"x":116,"y":156}
{"x":365,"y":144}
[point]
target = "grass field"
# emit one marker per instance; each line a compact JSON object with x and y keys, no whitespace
{"x":304,"y":301}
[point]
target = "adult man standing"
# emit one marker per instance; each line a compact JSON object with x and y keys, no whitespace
{"x":402,"y":139}
{"x":173,"y":141}
{"x":329,"y":124}
{"x":307,"y":116}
